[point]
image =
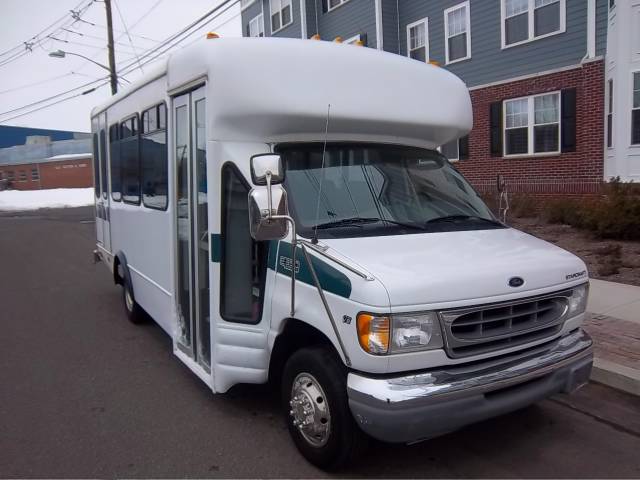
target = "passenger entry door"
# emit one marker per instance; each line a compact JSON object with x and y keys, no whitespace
{"x":101,"y":181}
{"x":192,"y":231}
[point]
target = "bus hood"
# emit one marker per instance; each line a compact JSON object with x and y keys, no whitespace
{"x":465,"y":266}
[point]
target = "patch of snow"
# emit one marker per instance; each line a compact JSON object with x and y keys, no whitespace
{"x":20,"y":200}
{"x":70,"y":156}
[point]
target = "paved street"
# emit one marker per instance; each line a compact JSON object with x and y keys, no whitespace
{"x":84,"y":393}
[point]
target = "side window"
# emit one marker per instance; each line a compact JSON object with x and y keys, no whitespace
{"x":153,"y":151}
{"x":130,"y":160}
{"x":244,"y":261}
{"x":114,"y":151}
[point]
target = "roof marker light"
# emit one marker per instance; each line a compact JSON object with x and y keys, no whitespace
{"x":338,"y":39}
{"x":212,"y":35}
{"x":315,"y":37}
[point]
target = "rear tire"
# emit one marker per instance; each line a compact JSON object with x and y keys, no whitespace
{"x":134,"y":312}
{"x":316,"y":409}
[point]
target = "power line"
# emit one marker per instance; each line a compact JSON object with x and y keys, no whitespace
{"x":54,"y":103}
{"x":128,"y":34}
{"x":183,"y":33}
{"x":172,"y":41}
{"x":36,"y":40}
{"x":21,"y":87}
{"x":50,"y":98}
{"x":95,"y":37}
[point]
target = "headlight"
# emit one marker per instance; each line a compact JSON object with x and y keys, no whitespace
{"x":381,"y":334}
{"x":578,"y":300}
{"x":415,"y":332}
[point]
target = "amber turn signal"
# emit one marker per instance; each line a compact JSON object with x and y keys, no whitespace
{"x":373,"y":333}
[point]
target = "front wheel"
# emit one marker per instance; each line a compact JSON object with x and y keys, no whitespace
{"x":314,"y":395}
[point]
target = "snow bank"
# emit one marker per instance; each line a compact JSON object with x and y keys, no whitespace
{"x":54,"y":198}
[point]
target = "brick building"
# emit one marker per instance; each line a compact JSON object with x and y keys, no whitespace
{"x":42,"y":164}
{"x":535,"y":70}
{"x":61,"y":171}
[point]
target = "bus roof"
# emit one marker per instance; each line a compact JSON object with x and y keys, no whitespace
{"x":279,"y":89}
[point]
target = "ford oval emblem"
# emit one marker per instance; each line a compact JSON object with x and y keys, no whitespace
{"x":516,"y":282}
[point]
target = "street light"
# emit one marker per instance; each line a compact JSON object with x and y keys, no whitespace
{"x":112,"y":73}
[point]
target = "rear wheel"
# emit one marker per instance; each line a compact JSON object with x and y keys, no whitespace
{"x":132,"y":309}
{"x":314,"y":396}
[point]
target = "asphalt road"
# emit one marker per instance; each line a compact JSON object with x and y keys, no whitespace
{"x":84,"y":393}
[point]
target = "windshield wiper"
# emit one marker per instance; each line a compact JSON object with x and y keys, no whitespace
{"x":473,"y":218}
{"x":352,"y":221}
{"x":359,"y":221}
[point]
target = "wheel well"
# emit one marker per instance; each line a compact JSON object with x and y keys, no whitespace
{"x":296,"y":335}
{"x":117,"y":279}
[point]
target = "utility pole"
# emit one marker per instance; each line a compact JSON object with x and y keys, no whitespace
{"x":112,"y":57}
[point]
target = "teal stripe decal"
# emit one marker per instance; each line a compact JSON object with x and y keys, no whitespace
{"x":331,"y":279}
{"x":216,"y":247}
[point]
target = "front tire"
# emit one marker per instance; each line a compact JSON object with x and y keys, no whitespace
{"x":316,"y":407}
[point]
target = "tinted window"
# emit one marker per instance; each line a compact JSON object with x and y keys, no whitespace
{"x":114,"y":151}
{"x":244,"y":261}
{"x":130,"y":163}
{"x":153,"y":151}
{"x":150,"y":120}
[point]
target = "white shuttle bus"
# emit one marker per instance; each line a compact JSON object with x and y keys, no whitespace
{"x":281,"y":209}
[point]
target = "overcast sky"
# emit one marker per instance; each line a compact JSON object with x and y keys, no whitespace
{"x":36,"y":76}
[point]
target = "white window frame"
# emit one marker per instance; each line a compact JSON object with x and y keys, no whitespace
{"x":424,"y":21}
{"x":246,"y":5}
{"x":633,"y":75}
{"x":259,"y":20}
{"x":331,"y":9}
{"x":531,"y":19}
{"x":530,"y":126}
{"x":467,"y":31}
{"x":279,"y":12}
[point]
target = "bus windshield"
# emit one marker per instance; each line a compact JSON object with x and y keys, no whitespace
{"x":370,"y":190}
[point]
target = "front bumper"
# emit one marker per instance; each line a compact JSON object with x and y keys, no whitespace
{"x":427,"y":404}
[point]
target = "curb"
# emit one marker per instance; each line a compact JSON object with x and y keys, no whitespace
{"x":617,"y":376}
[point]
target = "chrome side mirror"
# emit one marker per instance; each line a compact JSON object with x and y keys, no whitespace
{"x":266,"y":165}
{"x":268,"y":216}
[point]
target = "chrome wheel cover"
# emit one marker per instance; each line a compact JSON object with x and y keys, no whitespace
{"x":310,"y":410}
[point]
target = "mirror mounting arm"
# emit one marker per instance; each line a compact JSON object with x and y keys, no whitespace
{"x":269,"y":201}
{"x":294,"y":246}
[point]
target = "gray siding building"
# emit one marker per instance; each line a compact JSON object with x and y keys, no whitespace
{"x":535,"y":69}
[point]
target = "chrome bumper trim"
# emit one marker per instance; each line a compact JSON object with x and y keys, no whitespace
{"x":417,"y":407}
{"x":455,"y":382}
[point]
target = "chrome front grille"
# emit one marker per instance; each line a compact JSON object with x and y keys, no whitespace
{"x":487,"y":328}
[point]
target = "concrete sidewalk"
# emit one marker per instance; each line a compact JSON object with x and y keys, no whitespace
{"x":614,"y":300}
{"x":614,"y":325}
